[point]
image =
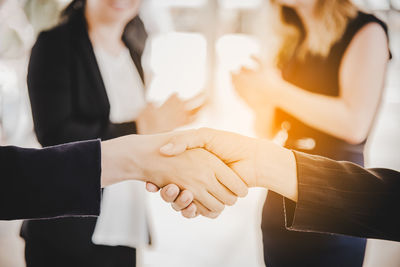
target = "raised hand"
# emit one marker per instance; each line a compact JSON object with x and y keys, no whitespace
{"x":258,"y":87}
{"x":173,"y":113}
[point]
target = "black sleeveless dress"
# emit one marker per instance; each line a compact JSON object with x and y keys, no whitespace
{"x":284,"y":248}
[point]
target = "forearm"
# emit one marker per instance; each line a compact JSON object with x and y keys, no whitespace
{"x":56,"y":181}
{"x":316,"y":110}
{"x":344,"y":198}
{"x":277,"y":170}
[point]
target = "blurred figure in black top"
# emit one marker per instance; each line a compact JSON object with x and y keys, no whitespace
{"x":325,"y":86}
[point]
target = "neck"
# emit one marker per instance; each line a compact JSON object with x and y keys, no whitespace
{"x":105,"y":33}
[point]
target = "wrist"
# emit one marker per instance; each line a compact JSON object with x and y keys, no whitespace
{"x":277,"y":170}
{"x":119,"y":161}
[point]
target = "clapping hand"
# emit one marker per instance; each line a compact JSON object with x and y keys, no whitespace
{"x":257,"y":87}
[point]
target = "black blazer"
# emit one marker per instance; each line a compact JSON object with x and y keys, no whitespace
{"x":70,"y":103}
{"x":68,"y":97}
{"x":344,"y":198}
{"x":56,"y":181}
{"x":333,"y":197}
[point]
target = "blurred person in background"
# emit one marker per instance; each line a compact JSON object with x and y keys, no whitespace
{"x":86,"y":81}
{"x":326,"y":88}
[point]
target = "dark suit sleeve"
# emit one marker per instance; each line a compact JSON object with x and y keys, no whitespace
{"x":344,"y":198}
{"x":57,"y":181}
{"x":50,"y":84}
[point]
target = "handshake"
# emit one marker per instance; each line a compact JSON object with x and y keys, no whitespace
{"x":200,"y":171}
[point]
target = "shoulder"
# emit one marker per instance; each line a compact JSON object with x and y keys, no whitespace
{"x":363,"y":18}
{"x":370,"y":35}
{"x":366,"y":24}
{"x":57,"y":35}
{"x":51,"y":47}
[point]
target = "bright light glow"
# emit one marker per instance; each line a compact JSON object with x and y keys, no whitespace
{"x":180,"y":3}
{"x":178,"y":61}
{"x":247,"y":4}
{"x":234,"y":238}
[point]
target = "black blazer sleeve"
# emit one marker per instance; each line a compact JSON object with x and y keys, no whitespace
{"x":53,"y":102}
{"x":344,"y":198}
{"x":57,"y":181}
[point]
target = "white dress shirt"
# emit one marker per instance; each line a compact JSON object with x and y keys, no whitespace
{"x":122,"y":220}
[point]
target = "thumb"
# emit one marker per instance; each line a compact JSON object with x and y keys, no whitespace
{"x":172,"y":149}
{"x":182,"y":141}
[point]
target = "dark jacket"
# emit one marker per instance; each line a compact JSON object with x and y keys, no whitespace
{"x":344,"y":198}
{"x":68,"y":97}
{"x":70,"y":103}
{"x":57,"y":181}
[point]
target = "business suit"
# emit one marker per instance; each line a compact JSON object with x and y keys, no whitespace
{"x":57,"y":181}
{"x":70,"y":103}
{"x":344,"y":198}
{"x":333,"y":197}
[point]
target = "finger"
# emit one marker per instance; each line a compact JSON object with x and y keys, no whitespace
{"x":169,"y":193}
{"x":224,"y":195}
{"x":210,"y":202}
{"x":183,"y":201}
{"x":257,"y":60}
{"x":197,"y":102}
{"x":150,"y":187}
{"x":245,"y":70}
{"x":172,"y":100}
{"x":190,"y":211}
{"x":195,"y":110}
{"x":230,"y":179}
{"x":186,"y":140}
{"x":202,"y":210}
{"x":190,"y":118}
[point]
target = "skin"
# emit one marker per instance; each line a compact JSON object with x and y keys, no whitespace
{"x":350,"y":116}
{"x":260,"y":163}
{"x":137,"y":157}
{"x":361,"y":78}
{"x":106,"y":23}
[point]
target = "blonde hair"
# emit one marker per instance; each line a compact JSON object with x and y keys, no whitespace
{"x":332,"y":18}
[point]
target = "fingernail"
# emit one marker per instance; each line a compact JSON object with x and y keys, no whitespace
{"x":167,"y":147}
{"x":170,"y":192}
{"x":184,"y":198}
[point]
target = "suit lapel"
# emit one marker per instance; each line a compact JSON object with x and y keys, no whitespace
{"x":86,"y":53}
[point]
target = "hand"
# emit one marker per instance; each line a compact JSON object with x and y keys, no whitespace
{"x":212,"y":183}
{"x":171,"y":115}
{"x":180,"y":201}
{"x":220,"y":143}
{"x":259,"y":87}
{"x":258,"y":162}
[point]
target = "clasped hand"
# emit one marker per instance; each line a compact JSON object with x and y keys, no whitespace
{"x":200,"y":171}
{"x":242,"y":155}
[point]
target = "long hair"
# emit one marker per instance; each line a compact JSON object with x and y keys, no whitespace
{"x":72,"y":8}
{"x":332,"y":19}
